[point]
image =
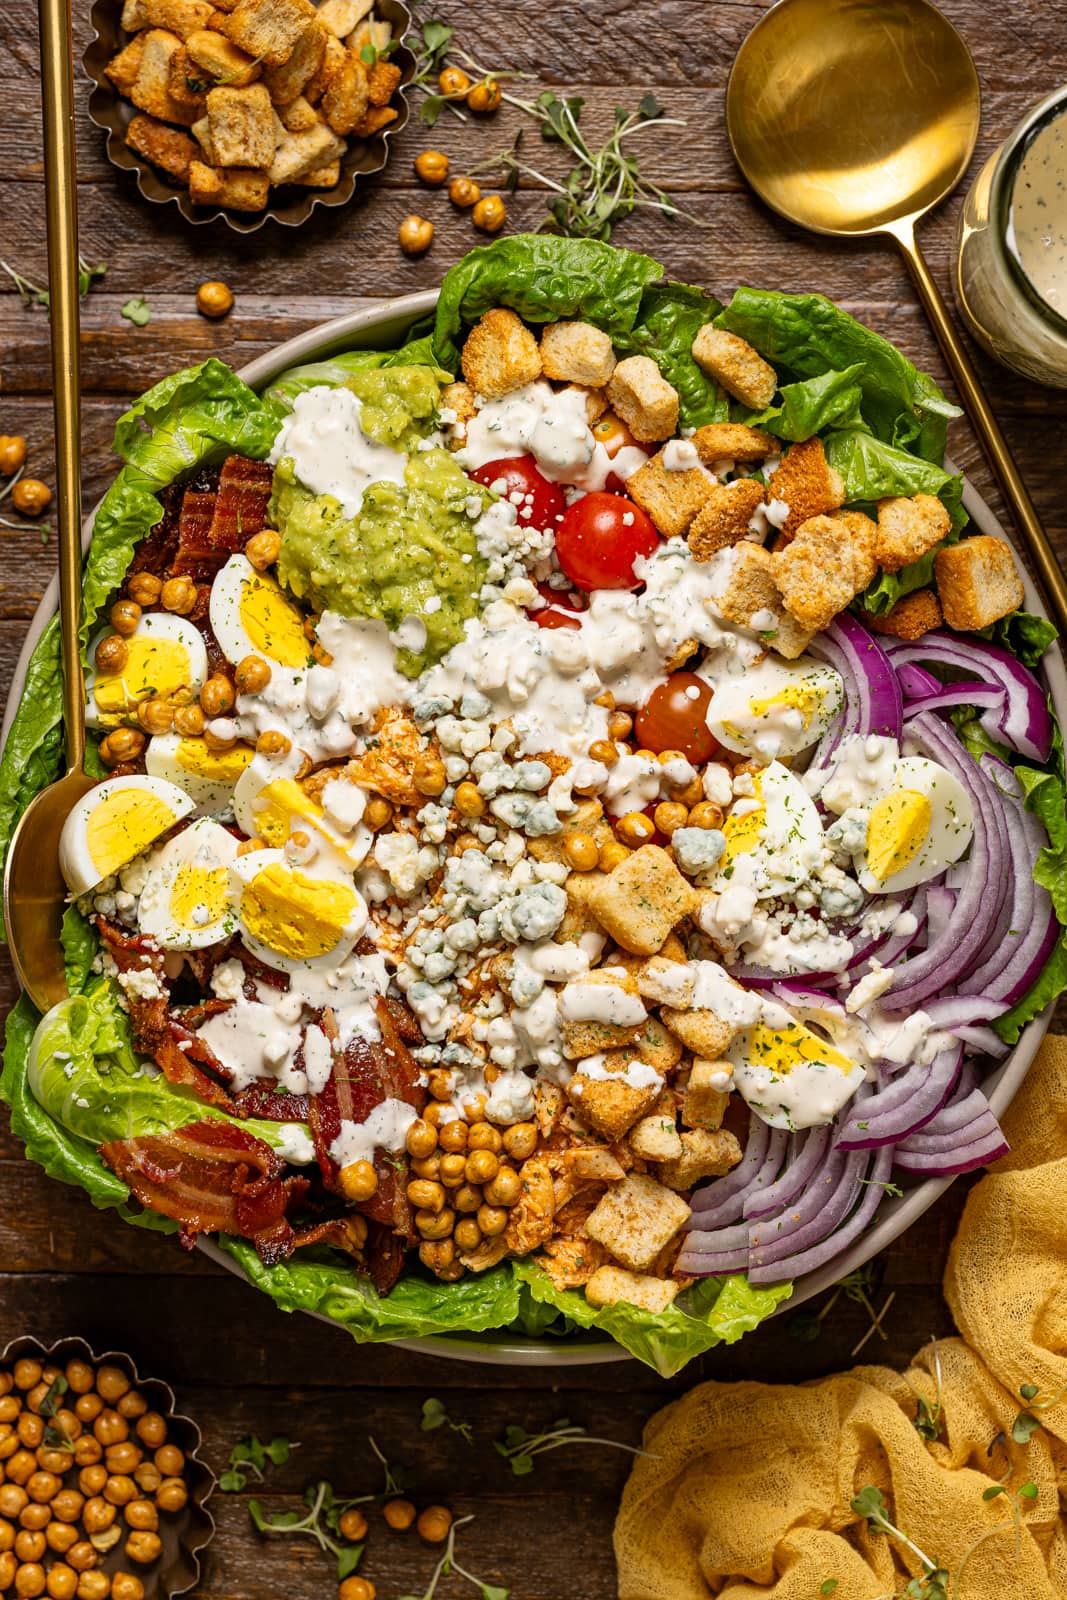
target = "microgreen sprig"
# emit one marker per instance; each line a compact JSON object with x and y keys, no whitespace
{"x":449,"y":1564}
{"x":434,"y":47}
{"x":435,"y":1416}
{"x":1027,"y":1422}
{"x":933,"y":1582}
{"x":324,"y":1511}
{"x":252,"y":1454}
{"x":34,"y":295}
{"x":519,"y":1447}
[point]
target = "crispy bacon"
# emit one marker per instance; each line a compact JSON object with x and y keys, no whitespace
{"x":157,"y":550}
{"x":385,"y":1254}
{"x":241,"y":506}
{"x":262,"y":1099}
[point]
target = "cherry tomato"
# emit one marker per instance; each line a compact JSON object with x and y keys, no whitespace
{"x":566,"y":599}
{"x":549,"y":617}
{"x":674,"y":718}
{"x":600,"y":538}
{"x":543,"y":499}
{"x":614,"y":435}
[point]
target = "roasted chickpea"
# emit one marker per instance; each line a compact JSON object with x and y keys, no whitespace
{"x":520,"y":1140}
{"x":433,"y":1524}
{"x":399,"y":1514}
{"x":123,"y":1457}
{"x":415,"y":235}
{"x":669,"y":816}
{"x":464,"y":193}
{"x":43,"y":1486}
{"x":61,"y":1536}
{"x":359,"y":1182}
{"x":62,"y":1581}
{"x":482,"y":1166}
{"x":30,"y":497}
{"x":705,"y":815}
{"x":94,"y":1586}
{"x":429,"y":1167}
{"x":21,"y":1466}
{"x":30,"y":1545}
{"x":110,"y":1428}
{"x":484,"y":97}
{"x":492,"y":1220}
{"x":635,"y":828}
{"x":490,"y":214}
{"x":121,"y":744}
{"x":30,"y":1580}
{"x":151,"y":1430}
{"x":147,"y":1477}
{"x":155,"y":716}
{"x":604,"y":751}
{"x":133,"y":1403}
{"x":143,"y":1547}
{"x":453,"y":81}
{"x":97,"y":1515}
{"x":67,"y":1505}
{"x":505,"y":1188}
{"x":620,"y":725}
{"x":426,"y":1196}
{"x":12,"y":453}
{"x":8,"y":1568}
{"x":10,"y":1407}
{"x":468,"y":801}
{"x":119,"y":1490}
{"x":264,"y":548}
{"x":111,"y":654}
{"x":453,"y":1136}
{"x":429,"y":777}
{"x":467,"y":1198}
{"x":35,"y":1516}
{"x":467,"y":1234}
{"x":30,"y":1429}
{"x":251,"y":675}
{"x":217,"y":695}
{"x":91,"y":1480}
{"x":435,"y":1225}
{"x":189,"y":722}
{"x":169,"y":1460}
{"x":378,"y":813}
{"x":52,"y":1460}
{"x":125,"y":1586}
{"x":580,"y":850}
{"x":178,"y":595}
{"x":12,"y":1499}
{"x":357,"y":1589}
{"x":7,"y":1535}
{"x":353,"y":1525}
{"x":214,"y":299}
{"x":171,"y":1494}
{"x":432,"y":167}
{"x":68,"y":1424}
{"x":483,"y":1136}
{"x":437,"y":1254}
{"x":272,"y":742}
{"x":81,"y":1556}
{"x":421,"y":1139}
{"x":453,"y":1169}
{"x":124,"y":617}
{"x":144,"y":588}
{"x":27,"y":1373}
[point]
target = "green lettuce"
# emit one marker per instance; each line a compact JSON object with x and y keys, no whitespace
{"x":669,"y":319}
{"x":811,"y":405}
{"x":1025,"y":635}
{"x":193,"y":416}
{"x":80,"y":944}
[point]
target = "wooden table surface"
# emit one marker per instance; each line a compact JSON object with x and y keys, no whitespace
{"x":238,"y":1364}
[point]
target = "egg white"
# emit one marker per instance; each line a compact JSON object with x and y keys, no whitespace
{"x":251,"y":615}
{"x":166,"y":653}
{"x":320,"y":876}
{"x":207,"y":776}
{"x":774,"y":840}
{"x":187,"y":899}
{"x":775,"y":708}
{"x":945,"y":837}
{"x":115,"y":822}
{"x":269,"y":804}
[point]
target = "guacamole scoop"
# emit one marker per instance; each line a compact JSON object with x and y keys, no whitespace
{"x":399,"y":546}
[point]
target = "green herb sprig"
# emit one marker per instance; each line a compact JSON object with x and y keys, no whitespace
{"x":34,"y":295}
{"x":324,"y":1512}
{"x":435,"y":1416}
{"x":252,"y":1455}
{"x":934,"y":1580}
{"x":519,"y":1448}
{"x":137,"y":311}
{"x":449,"y":1564}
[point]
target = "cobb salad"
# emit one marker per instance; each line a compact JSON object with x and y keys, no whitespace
{"x":577,"y":815}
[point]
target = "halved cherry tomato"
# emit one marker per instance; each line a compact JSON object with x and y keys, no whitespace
{"x":542,"y":499}
{"x":674,"y":717}
{"x":614,"y":435}
{"x":600,"y":538}
{"x":567,"y":599}
{"x":549,"y":617}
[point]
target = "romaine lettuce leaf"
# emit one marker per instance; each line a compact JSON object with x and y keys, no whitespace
{"x":808,"y":407}
{"x":1025,"y":635}
{"x":1049,"y":985}
{"x":670,"y":317}
{"x":193,"y":416}
{"x":80,"y":944}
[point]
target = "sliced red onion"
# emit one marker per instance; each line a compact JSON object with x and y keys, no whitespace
{"x":722,"y":1200}
{"x":1002,"y":775}
{"x":826,"y":1202}
{"x":807,"y":1152}
{"x":710,"y":1264}
{"x":809,"y":1260}
{"x":939,"y":903}
{"x":965,"y":1159}
{"x":903,"y":1106}
{"x":957,"y":1126}
{"x":1023,"y":723}
{"x":1013,"y":965}
{"x":959,"y":1011}
{"x":983,"y":1042}
{"x":916,"y":682}
{"x":949,"y":695}
{"x":873,"y":701}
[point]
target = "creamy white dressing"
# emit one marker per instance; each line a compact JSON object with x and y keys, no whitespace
{"x":586,"y":1001}
{"x":635,"y":1074}
{"x":324,"y":439}
{"x":551,"y":426}
{"x":385,"y":1128}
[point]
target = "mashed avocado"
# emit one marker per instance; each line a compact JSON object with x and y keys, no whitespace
{"x":410,"y":550}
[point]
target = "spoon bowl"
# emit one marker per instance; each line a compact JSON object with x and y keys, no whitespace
{"x":34,"y":891}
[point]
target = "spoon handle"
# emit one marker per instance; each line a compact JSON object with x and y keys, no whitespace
{"x":985,"y":425}
{"x":61,"y":179}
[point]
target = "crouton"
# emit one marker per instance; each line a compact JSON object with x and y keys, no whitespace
{"x":907,"y":529}
{"x":706,"y":1153}
{"x":240,"y":188}
{"x":530,"y":1221}
{"x":185,"y":85}
{"x":133,"y":16}
{"x":201,"y":132}
{"x":151,"y":88}
{"x":636,"y":1220}
{"x":347,"y":97}
{"x":725,"y":516}
{"x":608,"y":1285}
{"x":644,"y":399}
{"x":297,"y":154}
{"x":322,"y":177}
{"x":672,"y":952}
{"x":752,"y":599}
{"x":588,"y":818}
{"x":655,"y":1045}
{"x":123,"y":68}
{"x":599,"y":1011}
{"x":333,"y":60}
{"x":704,"y":1104}
{"x":666,"y":979}
{"x":608,"y":1102}
{"x":656,"y":1138}
{"x":576,"y":352}
{"x":218,"y":58}
{"x":500,"y":354}
{"x":457,"y":398}
{"x":269,"y":29}
{"x":182,"y":17}
{"x":166,"y":148}
{"x":297,"y":116}
{"x":579,"y":919}
{"x":734,"y":364}
{"x":642,"y":900}
{"x":286,"y":82}
{"x":382,"y":80}
{"x":827,"y":564}
{"x":373,"y":120}
{"x":911,"y":617}
{"x":671,"y":499}
{"x":977,"y":582}
{"x":241,"y":125}
{"x":371,"y":31}
{"x":701,"y":1031}
{"x":808,"y":485}
{"x":596,"y":401}
{"x":341,"y":17}
{"x":733,"y":441}
{"x":548,"y":1106}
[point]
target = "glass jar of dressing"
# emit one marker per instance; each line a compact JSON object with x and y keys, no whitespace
{"x":1011,"y":269}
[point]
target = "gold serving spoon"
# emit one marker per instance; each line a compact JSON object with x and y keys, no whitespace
{"x":34,"y":891}
{"x":855,"y":117}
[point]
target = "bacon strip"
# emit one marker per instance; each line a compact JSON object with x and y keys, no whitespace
{"x":241,"y":507}
{"x":261,"y":1099}
{"x":157,"y":550}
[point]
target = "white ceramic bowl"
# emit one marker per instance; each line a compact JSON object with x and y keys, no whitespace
{"x":387,"y":325}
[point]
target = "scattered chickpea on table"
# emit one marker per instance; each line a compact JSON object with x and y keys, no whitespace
{"x":489,"y":213}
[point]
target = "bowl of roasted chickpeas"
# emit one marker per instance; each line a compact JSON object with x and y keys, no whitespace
{"x":102,"y":1494}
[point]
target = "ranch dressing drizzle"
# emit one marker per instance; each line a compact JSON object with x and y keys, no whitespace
{"x":330,"y":453}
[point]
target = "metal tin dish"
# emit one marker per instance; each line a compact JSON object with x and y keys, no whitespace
{"x":184,"y":1534}
{"x":387,"y":325}
{"x":109,"y":111}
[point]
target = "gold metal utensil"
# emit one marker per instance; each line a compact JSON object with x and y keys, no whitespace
{"x":855,"y":117}
{"x":34,"y":891}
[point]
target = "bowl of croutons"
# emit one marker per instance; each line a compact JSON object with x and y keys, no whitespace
{"x":252,"y":109}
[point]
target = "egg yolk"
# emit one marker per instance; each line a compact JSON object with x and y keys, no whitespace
{"x":193,"y":756}
{"x":295,"y":915}
{"x":795,"y":696}
{"x":782,"y":1049}
{"x":898,"y":824}
{"x":154,"y":666}
{"x":123,"y":825}
{"x":199,"y":896}
{"x":274,"y":627}
{"x":281,"y":804}
{"x":743,"y":832}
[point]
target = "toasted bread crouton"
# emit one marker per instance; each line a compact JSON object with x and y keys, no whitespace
{"x":734,"y":441}
{"x":347,"y":97}
{"x":655,"y":1045}
{"x":734,"y":364}
{"x":579,"y":918}
{"x":373,"y":120}
{"x":907,"y":529}
{"x":382,"y":80}
{"x":608,"y":1102}
{"x":549,"y":1105}
{"x":588,"y":817}
{"x":218,"y":58}
{"x":297,"y":154}
{"x":977,"y":582}
{"x":672,"y":499}
{"x":297,"y":116}
{"x":644,"y":399}
{"x":599,"y":1011}
{"x":182,"y":17}
{"x":666,"y":979}
{"x":671,"y":954}
{"x":911,"y":617}
{"x":322,"y":177}
{"x":656,"y":1137}
{"x":372,"y":31}
{"x":642,"y":900}
{"x":133,"y":17}
{"x":827,"y":564}
{"x":342,"y":17}
{"x":752,"y":599}
{"x":242,"y":126}
{"x":269,"y":29}
{"x":608,"y":1285}
{"x":637,"y":1219}
{"x":704,"y":1104}
{"x":241,"y":189}
{"x":725,"y":516}
{"x":596,"y":401}
{"x":123,"y":68}
{"x":286,"y":82}
{"x":201,"y":132}
{"x":151,"y":90}
{"x":500,"y":354}
{"x":702,"y":1031}
{"x":576,"y":352}
{"x":186,"y":83}
{"x":706,"y":1153}
{"x":333,"y":60}
{"x":457,"y":408}
{"x":807,"y":483}
{"x":166,"y":148}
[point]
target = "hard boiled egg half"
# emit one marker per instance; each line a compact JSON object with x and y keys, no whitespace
{"x":115,"y":822}
{"x":207,"y":776}
{"x":252,"y":616}
{"x":295,"y":918}
{"x":916,"y":827}
{"x":187,"y":900}
{"x":788,"y":1074}
{"x":269,"y":804}
{"x":165,"y":654}
{"x":776,"y":708}
{"x":774,"y":839}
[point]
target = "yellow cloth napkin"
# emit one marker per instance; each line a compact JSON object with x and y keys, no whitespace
{"x":750,"y":1490}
